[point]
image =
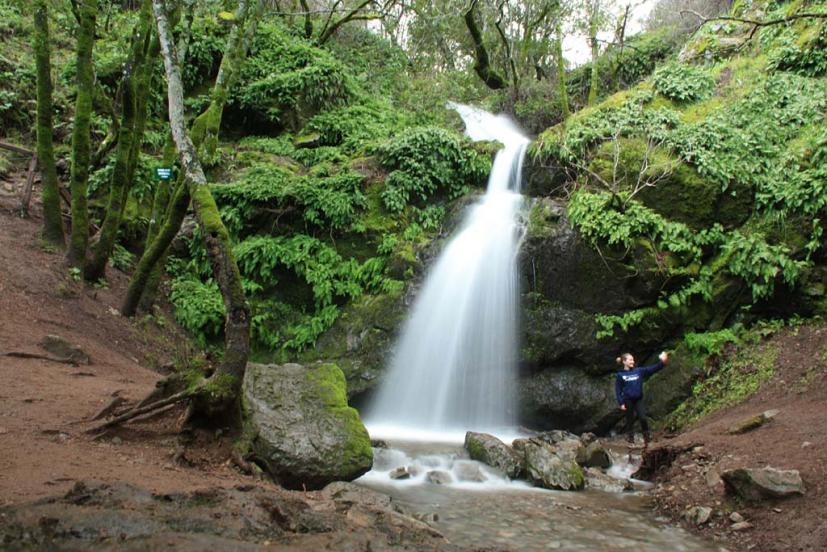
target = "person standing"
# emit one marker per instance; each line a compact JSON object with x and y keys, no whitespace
{"x":629,"y":392}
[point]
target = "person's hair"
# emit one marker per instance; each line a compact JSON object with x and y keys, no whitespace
{"x":622,"y":357}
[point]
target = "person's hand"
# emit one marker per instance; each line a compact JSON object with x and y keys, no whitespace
{"x":664,"y":357}
{"x":623,"y":407}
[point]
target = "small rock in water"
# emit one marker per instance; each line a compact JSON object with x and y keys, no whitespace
{"x":735,"y":517}
{"x":400,"y":473}
{"x":438,"y":477}
{"x":742,"y":526}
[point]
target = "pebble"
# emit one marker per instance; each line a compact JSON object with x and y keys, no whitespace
{"x":742,"y":526}
{"x":735,"y":517}
{"x":117,"y":440}
{"x":806,"y":444}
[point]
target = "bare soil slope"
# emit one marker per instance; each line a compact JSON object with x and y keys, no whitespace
{"x":795,"y":439}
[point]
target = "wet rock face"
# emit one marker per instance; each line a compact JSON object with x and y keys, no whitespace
{"x":493,"y":452}
{"x":305,"y":433}
{"x":570,"y":398}
{"x":757,"y":484}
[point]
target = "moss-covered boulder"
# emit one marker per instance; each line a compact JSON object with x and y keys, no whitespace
{"x":665,"y":390}
{"x":299,"y":426}
{"x":489,"y":450}
{"x":556,"y":262}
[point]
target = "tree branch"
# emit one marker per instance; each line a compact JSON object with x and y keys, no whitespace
{"x":755,"y":23}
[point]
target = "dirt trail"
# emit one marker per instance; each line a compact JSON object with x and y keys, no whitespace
{"x":44,"y":404}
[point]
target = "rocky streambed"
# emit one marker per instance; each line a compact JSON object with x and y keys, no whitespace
{"x":502,"y":503}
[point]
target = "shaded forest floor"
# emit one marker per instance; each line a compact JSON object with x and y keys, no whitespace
{"x":796,"y":438}
{"x":144,"y":485}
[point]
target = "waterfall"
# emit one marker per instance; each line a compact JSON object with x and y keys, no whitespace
{"x":453,"y":368}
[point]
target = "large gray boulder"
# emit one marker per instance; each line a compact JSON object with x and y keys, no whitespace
{"x":546,"y":468}
{"x":300,"y":426}
{"x":756,"y":484}
{"x":489,"y":450}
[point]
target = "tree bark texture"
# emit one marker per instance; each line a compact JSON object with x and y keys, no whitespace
{"x":52,"y":217}
{"x":81,"y":149}
{"x":482,"y":66}
{"x":216,"y":237}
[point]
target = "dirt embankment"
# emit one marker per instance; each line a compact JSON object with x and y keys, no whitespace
{"x":794,"y":439}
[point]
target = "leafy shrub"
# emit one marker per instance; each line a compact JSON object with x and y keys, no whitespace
{"x":710,"y":343}
{"x":683,"y":83}
{"x":121,"y":258}
{"x":285,"y":80}
{"x":326,"y":198}
{"x":199,"y":307}
{"x":426,"y":161}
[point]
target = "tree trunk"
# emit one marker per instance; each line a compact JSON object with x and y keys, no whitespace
{"x":81,"y":150}
{"x":127,"y":138}
{"x":593,"y":25}
{"x":204,"y":131}
{"x":205,"y":128}
{"x":562,"y":93}
{"x":155,"y":250}
{"x":217,"y":241}
{"x":483,"y":65}
{"x":52,"y":217}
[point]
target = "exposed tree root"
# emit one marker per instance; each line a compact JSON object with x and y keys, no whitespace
{"x":149,"y":408}
{"x":23,"y":354}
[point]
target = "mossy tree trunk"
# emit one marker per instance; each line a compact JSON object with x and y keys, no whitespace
{"x":52,"y":217}
{"x":205,"y":127}
{"x":81,"y":148}
{"x":155,"y":251}
{"x":562,"y":93}
{"x":129,"y":141}
{"x":594,"y":17}
{"x":489,"y":76}
{"x":230,"y":372}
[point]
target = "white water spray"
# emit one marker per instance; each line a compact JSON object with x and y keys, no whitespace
{"x":453,"y":368}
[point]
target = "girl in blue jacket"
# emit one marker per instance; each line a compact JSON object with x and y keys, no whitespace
{"x":629,"y":392}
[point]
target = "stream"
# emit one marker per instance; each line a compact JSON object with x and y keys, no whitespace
{"x":500,"y":514}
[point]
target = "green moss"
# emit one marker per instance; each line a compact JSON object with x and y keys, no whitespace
{"x":475,"y":450}
{"x":220,"y":387}
{"x":330,"y":388}
{"x":731,"y":382}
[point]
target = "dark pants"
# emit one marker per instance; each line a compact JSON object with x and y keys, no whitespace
{"x":636,"y":407}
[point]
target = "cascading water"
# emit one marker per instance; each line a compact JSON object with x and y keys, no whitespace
{"x":453,"y":367}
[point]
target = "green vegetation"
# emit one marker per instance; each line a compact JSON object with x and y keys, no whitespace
{"x":735,"y":378}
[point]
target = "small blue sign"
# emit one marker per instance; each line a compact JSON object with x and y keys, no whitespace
{"x":163,"y":173}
